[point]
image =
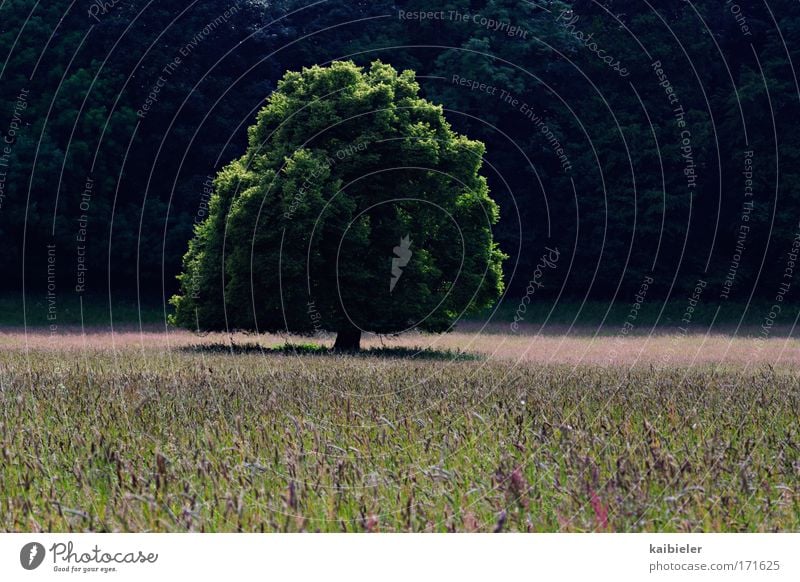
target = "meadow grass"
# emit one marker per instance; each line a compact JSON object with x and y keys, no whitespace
{"x":148,"y":438}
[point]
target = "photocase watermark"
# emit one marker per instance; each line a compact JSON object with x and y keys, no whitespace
{"x":205,"y":198}
{"x":316,"y":320}
{"x":66,"y":559}
{"x":738,"y":15}
{"x":161,"y":82}
{"x":31,"y":555}
{"x":490,"y":24}
{"x":548,"y":261}
{"x":691,"y":306}
{"x":524,"y":108}
{"x":744,"y":228}
{"x":200,"y":216}
{"x":630,"y":320}
{"x":82,"y":234}
{"x":338,"y":156}
{"x":568,"y":20}
{"x":784,"y":287}
{"x":207,"y":30}
{"x":101,"y":7}
{"x":50,"y":297}
{"x":685,"y":137}
{"x":184,"y":52}
{"x":10,"y":138}
{"x":402,"y":255}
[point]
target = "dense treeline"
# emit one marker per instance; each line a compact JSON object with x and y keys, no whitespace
{"x":652,"y":144}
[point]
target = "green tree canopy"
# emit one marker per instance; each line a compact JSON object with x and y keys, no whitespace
{"x":355,"y":208}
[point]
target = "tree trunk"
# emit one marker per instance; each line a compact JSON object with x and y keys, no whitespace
{"x":348,"y":339}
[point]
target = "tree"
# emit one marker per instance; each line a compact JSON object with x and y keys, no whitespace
{"x":355,"y":208}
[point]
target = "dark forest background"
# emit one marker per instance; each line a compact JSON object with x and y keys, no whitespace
{"x":629,"y":204}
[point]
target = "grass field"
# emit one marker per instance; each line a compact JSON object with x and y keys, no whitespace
{"x":154,"y":431}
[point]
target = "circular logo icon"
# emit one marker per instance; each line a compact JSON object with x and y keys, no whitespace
{"x":31,"y":555}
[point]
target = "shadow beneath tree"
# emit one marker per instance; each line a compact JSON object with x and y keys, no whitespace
{"x":288,"y":349}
